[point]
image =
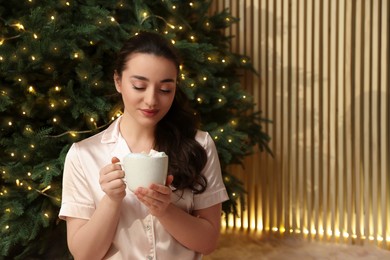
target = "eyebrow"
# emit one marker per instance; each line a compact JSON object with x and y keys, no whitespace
{"x":146,"y":79}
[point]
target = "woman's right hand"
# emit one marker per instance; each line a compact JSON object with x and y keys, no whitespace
{"x":111,"y":180}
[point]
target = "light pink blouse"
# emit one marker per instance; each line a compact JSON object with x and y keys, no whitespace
{"x":139,"y":235}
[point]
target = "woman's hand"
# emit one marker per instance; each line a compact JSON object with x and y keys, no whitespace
{"x":157,"y":198}
{"x":111,"y":180}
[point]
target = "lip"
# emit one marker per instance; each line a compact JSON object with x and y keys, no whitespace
{"x":149,"y":112}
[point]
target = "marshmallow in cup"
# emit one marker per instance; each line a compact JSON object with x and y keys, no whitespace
{"x":142,"y":169}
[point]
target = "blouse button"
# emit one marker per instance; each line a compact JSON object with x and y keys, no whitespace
{"x":150,"y":257}
{"x":147,"y":227}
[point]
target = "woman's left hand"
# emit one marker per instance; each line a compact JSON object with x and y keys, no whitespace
{"x":157,"y":197}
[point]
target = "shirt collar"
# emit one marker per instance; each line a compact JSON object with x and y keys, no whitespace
{"x":112,"y":135}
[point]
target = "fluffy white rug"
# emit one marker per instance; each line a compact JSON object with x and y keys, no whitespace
{"x":237,"y":246}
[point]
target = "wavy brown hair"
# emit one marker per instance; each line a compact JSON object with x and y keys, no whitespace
{"x":175,"y":133}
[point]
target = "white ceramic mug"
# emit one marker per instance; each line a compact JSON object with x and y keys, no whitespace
{"x":141,"y":170}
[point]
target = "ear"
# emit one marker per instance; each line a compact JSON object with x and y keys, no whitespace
{"x":118,"y":82}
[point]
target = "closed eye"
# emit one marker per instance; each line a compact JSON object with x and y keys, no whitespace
{"x":166,"y":90}
{"x":138,"y":88}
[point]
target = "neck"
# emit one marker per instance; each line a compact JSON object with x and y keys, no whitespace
{"x":138,"y":138}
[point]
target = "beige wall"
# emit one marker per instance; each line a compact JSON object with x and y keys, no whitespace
{"x":324,"y":81}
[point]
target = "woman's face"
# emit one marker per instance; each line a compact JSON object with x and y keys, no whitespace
{"x":148,"y":86}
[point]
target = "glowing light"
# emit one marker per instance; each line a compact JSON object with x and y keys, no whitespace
{"x":18,"y":25}
{"x":45,"y":189}
{"x":52,"y":17}
{"x":35,"y":36}
{"x":33,"y":57}
{"x":10,"y":123}
{"x":204,"y":78}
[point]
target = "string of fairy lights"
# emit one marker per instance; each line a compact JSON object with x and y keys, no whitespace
{"x":21,"y":29}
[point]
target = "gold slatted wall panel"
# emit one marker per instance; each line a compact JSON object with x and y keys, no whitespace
{"x":324,"y":81}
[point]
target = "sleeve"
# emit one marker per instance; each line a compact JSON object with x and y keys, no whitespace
{"x":77,"y":200}
{"x":215,"y":192}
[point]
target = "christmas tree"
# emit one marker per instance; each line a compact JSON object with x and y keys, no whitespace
{"x":56,"y":88}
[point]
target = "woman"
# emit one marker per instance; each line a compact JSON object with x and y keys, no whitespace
{"x":178,"y":221}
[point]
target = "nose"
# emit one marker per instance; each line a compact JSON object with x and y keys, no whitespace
{"x":150,"y":97}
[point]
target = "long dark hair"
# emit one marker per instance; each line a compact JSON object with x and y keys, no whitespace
{"x":175,"y":132}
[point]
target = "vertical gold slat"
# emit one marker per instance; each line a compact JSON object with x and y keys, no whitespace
{"x":295,"y":102}
{"x":267,"y":99}
{"x":358,"y":117}
{"x":386,"y":136}
{"x":289,"y":106}
{"x":300,"y":112}
{"x":383,"y":117}
{"x":377,"y":217}
{"x":263,"y":99}
{"x":308,"y":105}
{"x":259,"y":65}
{"x":306,"y":220}
{"x":332,"y":121}
{"x":338,"y":201}
{"x":371,"y":88}
{"x":276,"y":217}
{"x":322,"y":176}
{"x":314,"y":104}
{"x":347,"y":130}
{"x":374,"y":162}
